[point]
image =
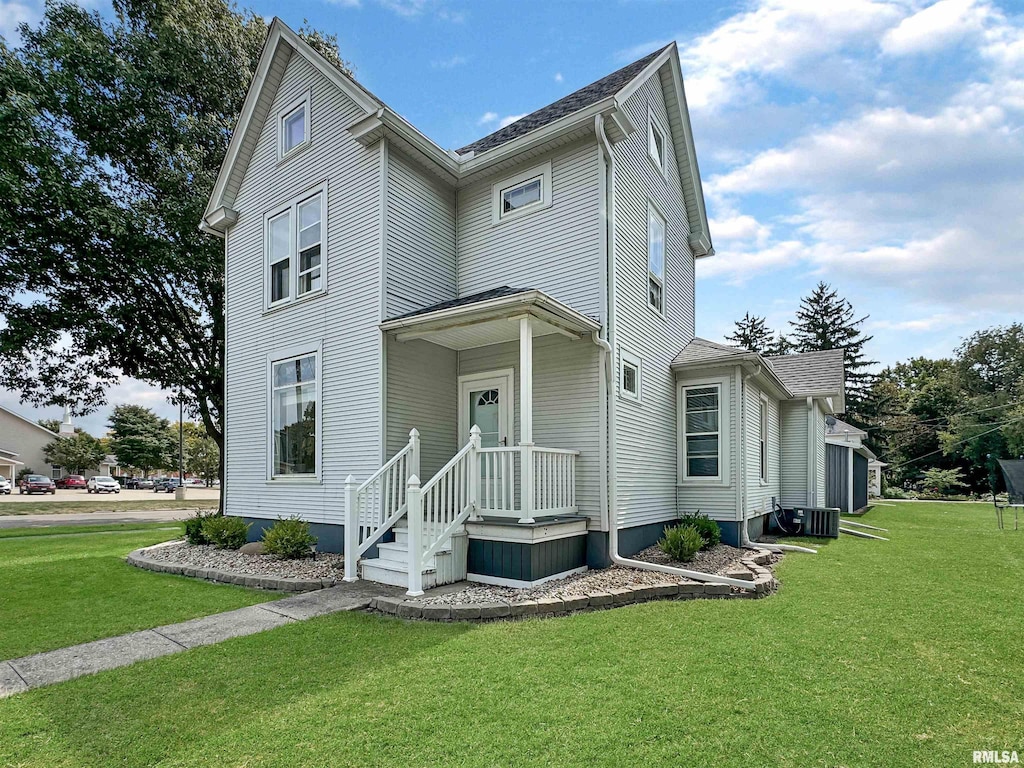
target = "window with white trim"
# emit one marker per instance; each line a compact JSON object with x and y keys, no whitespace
{"x":295,"y":238}
{"x":764,"y":440}
{"x":521,"y":194}
{"x":56,"y":471}
{"x":655,"y":260}
{"x":293,"y":127}
{"x":630,"y":370}
{"x":656,"y":144}
{"x":702,"y":431}
{"x":294,"y":415}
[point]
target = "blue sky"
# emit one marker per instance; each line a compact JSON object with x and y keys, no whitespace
{"x":873,"y":144}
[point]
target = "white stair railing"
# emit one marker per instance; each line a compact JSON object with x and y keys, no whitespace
{"x":440,"y":506}
{"x":377,"y":504}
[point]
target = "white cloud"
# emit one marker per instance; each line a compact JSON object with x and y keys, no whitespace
{"x":14,"y":13}
{"x":509,"y":119}
{"x":406,"y":8}
{"x":450,"y":63}
{"x":347,"y":3}
{"x":487,"y":118}
{"x":936,"y":27}
{"x":739,"y":227}
{"x":558,"y":77}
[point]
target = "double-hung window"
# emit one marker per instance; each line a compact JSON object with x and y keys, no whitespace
{"x":701,"y":431}
{"x":295,"y":240}
{"x":655,"y":260}
{"x":293,"y":397}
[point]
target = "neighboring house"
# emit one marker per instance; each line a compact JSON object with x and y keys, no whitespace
{"x":875,"y":469}
{"x":385,"y":295}
{"x":848,"y":466}
{"x":21,"y":446}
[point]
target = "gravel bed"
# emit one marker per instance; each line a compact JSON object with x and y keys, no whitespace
{"x":718,"y":560}
{"x":324,"y":566}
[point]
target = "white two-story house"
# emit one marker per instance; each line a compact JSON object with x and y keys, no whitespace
{"x":482,"y":362}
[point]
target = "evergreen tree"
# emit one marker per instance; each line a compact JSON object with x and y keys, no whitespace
{"x":751,"y":333}
{"x":827,"y":321}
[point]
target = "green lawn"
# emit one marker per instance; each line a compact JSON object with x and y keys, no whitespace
{"x":61,"y":590}
{"x":171,"y":529}
{"x":906,"y":653}
{"x":106,"y":505}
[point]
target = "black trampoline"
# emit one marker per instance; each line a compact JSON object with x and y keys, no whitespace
{"x":1013,"y":474}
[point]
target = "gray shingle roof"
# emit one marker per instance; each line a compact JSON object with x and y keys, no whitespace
{"x":493,"y":293}
{"x":704,"y":351}
{"x":584,"y":97}
{"x":839,"y":427}
{"x":811,"y":373}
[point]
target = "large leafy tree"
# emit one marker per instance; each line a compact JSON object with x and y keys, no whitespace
{"x":113,"y":135}
{"x":202,"y":455}
{"x":76,"y":453}
{"x":140,"y":438}
{"x":827,"y":321}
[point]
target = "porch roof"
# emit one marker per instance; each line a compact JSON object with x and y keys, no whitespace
{"x":483,"y":319}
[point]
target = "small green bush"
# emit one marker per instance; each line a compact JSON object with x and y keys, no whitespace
{"x":681,"y":542}
{"x":225,"y":532}
{"x":194,"y":533}
{"x":708,"y":529}
{"x":288,"y":539}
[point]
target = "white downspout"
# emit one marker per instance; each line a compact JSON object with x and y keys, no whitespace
{"x":607,"y":345}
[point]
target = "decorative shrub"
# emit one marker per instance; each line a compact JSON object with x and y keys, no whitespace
{"x":681,"y":542}
{"x":194,"y":533}
{"x":708,"y":529}
{"x":288,"y":539}
{"x":225,"y":532}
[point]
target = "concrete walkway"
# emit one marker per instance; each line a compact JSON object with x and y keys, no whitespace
{"x":95,"y":518}
{"x":42,"y":669}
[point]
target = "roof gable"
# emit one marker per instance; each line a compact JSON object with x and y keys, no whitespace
{"x":28,"y":421}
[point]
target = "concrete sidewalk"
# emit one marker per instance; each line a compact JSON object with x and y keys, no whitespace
{"x":95,"y":518}
{"x":51,"y":667}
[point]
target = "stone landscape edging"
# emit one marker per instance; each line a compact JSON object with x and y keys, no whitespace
{"x":139,"y":559}
{"x":764,"y":583}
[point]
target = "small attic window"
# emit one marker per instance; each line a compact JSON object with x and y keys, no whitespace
{"x":656,"y":144}
{"x":293,"y":127}
{"x":521,"y":194}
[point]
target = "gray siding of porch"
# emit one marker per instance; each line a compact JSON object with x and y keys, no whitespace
{"x":794,"y":453}
{"x":344,"y":319}
{"x":566,"y":406}
{"x":646,"y":454}
{"x":555,"y":249}
{"x":760,"y":494}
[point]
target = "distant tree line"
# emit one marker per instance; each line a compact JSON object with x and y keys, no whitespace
{"x":941,"y":423}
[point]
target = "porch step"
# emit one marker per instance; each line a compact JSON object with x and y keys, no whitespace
{"x":399,"y":553}
{"x":394,"y":573}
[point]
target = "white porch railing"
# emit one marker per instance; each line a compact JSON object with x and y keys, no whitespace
{"x":380,"y":502}
{"x":548,"y":489}
{"x":554,"y":481}
{"x":499,"y":476}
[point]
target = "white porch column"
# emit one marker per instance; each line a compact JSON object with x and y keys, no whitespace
{"x":526,"y":419}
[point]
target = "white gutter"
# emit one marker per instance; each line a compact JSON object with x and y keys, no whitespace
{"x":607,"y":346}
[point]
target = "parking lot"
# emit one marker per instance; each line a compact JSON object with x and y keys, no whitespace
{"x":124,"y":497}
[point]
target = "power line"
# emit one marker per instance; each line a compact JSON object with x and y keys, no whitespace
{"x":960,"y":442}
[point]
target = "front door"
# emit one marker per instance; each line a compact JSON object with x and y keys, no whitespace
{"x":485,"y":399}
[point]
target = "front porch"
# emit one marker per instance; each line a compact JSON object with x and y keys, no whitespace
{"x":497,"y":398}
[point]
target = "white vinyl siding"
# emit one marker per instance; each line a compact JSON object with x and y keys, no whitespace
{"x":647,"y":466}
{"x":819,"y":455}
{"x":343,"y":321}
{"x":419,"y":236}
{"x":794,"y":488}
{"x":555,"y":249}
{"x":759,"y":493}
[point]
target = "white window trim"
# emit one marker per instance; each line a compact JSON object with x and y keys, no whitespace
{"x":653,"y":209}
{"x":764,"y":435}
{"x":628,"y":358}
{"x":292,"y":207}
{"x":654,"y":125}
{"x":286,"y":111}
{"x":280,"y":355}
{"x":724,"y":435}
{"x":542,"y":171}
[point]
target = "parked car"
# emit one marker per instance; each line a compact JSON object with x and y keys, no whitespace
{"x":168,"y":485}
{"x":103,"y":484}
{"x":71,"y":481}
{"x":144,"y":484}
{"x":37,"y":484}
{"x":5,"y":486}
{"x":129,"y":483}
